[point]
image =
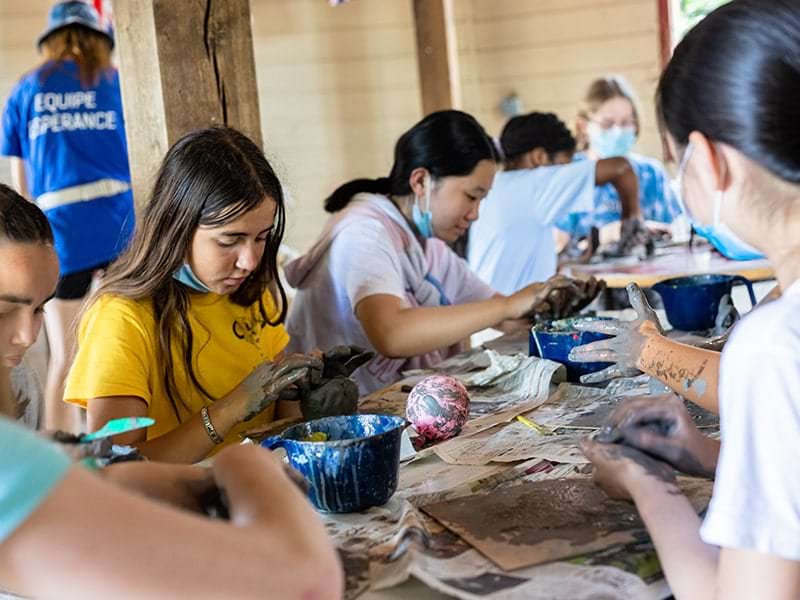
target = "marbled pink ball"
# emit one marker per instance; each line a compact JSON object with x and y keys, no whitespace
{"x":438,"y":407}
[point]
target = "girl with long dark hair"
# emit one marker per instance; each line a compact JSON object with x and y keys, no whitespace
{"x":187,"y":326}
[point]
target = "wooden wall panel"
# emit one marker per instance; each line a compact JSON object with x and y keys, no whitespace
{"x":337,"y":85}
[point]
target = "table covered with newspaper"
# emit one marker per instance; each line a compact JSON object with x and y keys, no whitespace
{"x":385,"y":546}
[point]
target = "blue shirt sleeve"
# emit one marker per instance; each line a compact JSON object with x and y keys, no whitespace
{"x":10,"y":144}
{"x":29,"y":469}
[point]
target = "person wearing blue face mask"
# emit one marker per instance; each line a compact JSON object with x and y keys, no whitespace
{"x":726,"y":104}
{"x":717,"y":232}
{"x":608,"y":125}
{"x":381,"y":275}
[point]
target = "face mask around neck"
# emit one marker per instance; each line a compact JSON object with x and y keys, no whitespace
{"x":187,"y":277}
{"x":422,"y":216}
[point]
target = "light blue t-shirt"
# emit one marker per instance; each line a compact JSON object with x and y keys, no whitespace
{"x":656,"y":197}
{"x":29,"y":469}
{"x":511,"y":245}
{"x":72,"y":140}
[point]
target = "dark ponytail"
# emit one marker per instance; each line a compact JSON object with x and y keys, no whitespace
{"x":342,"y":195}
{"x":446,"y":143}
{"x":735,"y":78}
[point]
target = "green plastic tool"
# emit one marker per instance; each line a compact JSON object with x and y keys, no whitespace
{"x":118,"y":426}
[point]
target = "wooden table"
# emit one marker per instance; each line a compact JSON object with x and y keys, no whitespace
{"x":678,"y":261}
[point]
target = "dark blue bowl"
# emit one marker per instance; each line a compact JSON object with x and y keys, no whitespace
{"x":557,"y":338}
{"x":355,"y":468}
{"x":692,"y":302}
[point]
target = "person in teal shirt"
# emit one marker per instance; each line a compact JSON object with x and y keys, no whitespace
{"x":29,"y":469}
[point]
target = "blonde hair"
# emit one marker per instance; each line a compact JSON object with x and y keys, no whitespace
{"x":89,"y":49}
{"x":600,"y":91}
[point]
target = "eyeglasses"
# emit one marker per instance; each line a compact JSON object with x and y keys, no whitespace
{"x":608,"y":124}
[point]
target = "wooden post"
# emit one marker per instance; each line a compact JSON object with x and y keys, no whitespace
{"x":183,"y":65}
{"x":437,"y":55}
{"x":664,"y":32}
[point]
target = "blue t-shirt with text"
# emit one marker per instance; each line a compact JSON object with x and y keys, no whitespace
{"x":72,"y":140}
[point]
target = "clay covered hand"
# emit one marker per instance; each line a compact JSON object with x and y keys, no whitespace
{"x":330,"y":391}
{"x":634,"y":240}
{"x":342,"y":361}
{"x":662,"y":427}
{"x":625,"y":348}
{"x":558,"y":297}
{"x":269,"y":380}
{"x":619,"y":469}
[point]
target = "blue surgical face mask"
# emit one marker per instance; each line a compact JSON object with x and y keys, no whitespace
{"x":717,"y":233}
{"x":614,"y":141}
{"x":423,"y":217}
{"x":187,"y":277}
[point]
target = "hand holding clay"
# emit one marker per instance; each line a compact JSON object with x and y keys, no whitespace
{"x":342,"y":361}
{"x":662,"y":427}
{"x":634,"y":239}
{"x":331,"y":391}
{"x":618,"y":470}
{"x":556,"y":298}
{"x":588,"y":290}
{"x":269,"y":380}
{"x":625,"y":349}
{"x":338,"y":396}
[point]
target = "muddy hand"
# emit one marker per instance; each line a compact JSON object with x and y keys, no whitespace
{"x":625,"y":348}
{"x":269,"y":380}
{"x":338,"y":396}
{"x":634,"y":237}
{"x":619,"y":469}
{"x":344,"y":360}
{"x":532,"y":301}
{"x":567,"y":301}
{"x":662,"y":427}
{"x":543,"y":300}
{"x":590,"y":289}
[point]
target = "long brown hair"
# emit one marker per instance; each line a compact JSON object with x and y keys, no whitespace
{"x":600,"y":91}
{"x":90,"y":50}
{"x":209,"y":177}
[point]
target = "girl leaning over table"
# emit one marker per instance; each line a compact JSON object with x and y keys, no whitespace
{"x":381,"y":275}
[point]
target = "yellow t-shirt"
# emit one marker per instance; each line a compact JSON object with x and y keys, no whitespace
{"x":118,"y":356}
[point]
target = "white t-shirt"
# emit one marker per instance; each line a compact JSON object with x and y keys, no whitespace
{"x":511,"y":244}
{"x":756,"y":501}
{"x":365,"y":250}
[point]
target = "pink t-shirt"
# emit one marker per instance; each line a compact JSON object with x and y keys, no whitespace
{"x":364,"y":250}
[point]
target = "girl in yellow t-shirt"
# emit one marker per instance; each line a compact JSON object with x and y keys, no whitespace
{"x":184,"y":328}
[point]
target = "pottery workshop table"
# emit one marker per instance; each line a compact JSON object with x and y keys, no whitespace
{"x":400,"y":551}
{"x":678,"y":261}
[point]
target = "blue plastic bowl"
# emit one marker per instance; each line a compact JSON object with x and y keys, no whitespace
{"x":557,"y":338}
{"x":355,"y":468}
{"x":692,"y":302}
